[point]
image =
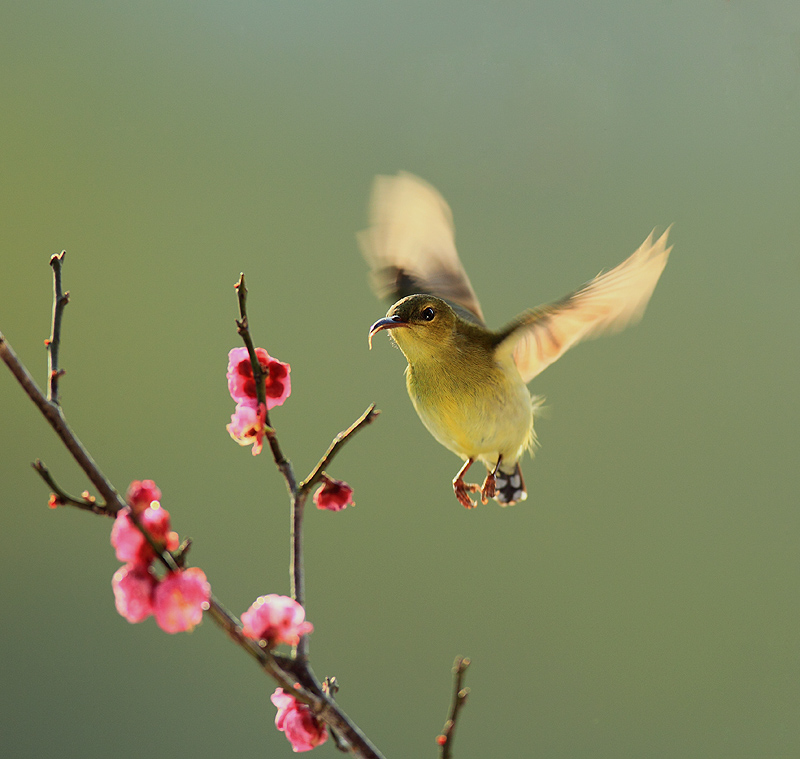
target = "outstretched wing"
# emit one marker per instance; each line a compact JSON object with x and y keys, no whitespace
{"x":410,"y":245}
{"x":609,"y":303}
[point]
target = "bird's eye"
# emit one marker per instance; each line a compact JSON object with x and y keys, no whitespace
{"x":428,"y":314}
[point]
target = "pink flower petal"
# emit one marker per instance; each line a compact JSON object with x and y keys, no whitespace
{"x":276,"y":619}
{"x":333,"y":495}
{"x":131,"y":546}
{"x":295,"y":720}
{"x":133,"y":592}
{"x":248,"y":426}
{"x":179,"y":598}
{"x":241,"y":384}
{"x":141,"y":493}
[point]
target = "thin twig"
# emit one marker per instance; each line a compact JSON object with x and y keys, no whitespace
{"x":330,"y":687}
{"x":445,"y":740}
{"x":298,"y":509}
{"x":366,"y":418}
{"x":86,"y":502}
{"x":60,"y":300}
{"x":297,"y":576}
{"x":244,"y":332}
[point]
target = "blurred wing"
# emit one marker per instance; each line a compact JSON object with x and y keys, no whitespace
{"x":410,"y":245}
{"x":609,"y":303}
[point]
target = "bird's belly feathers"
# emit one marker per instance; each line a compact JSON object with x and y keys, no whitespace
{"x":479,"y":420}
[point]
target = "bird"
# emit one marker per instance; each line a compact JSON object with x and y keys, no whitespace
{"x":469,"y":383}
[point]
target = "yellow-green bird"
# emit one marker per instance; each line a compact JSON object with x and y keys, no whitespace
{"x":469,"y":383}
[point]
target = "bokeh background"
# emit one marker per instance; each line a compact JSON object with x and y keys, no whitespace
{"x":643,"y":601}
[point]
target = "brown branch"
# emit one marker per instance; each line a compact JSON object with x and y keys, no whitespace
{"x":445,"y":740}
{"x":60,"y":300}
{"x":55,"y":417}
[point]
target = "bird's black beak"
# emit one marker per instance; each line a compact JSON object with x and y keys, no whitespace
{"x":388,"y":322}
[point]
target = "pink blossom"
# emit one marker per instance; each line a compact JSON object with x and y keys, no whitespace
{"x":242,"y":386}
{"x":133,"y":592}
{"x":179,"y":600}
{"x":302,"y":729}
{"x":248,"y":426}
{"x":279,"y":383}
{"x":334,"y":495}
{"x":276,"y":619}
{"x":131,"y":546}
{"x":141,"y":493}
{"x":129,"y":543}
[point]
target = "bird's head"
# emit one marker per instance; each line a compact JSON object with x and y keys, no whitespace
{"x":421,"y":325}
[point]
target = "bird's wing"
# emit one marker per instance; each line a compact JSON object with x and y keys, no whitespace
{"x":608,"y":303}
{"x":410,"y":245}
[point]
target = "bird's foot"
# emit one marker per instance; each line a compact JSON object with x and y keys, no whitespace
{"x":488,"y":488}
{"x":462,"y":490}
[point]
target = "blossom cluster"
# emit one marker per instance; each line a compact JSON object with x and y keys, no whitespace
{"x":279,"y":619}
{"x":249,"y":420}
{"x":177,"y":599}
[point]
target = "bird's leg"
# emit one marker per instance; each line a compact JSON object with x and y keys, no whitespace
{"x":462,"y":489}
{"x":488,"y":488}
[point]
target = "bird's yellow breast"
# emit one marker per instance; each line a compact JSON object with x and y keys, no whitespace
{"x":478,"y":409}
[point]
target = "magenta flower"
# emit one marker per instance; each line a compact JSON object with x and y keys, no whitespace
{"x":242,"y":386}
{"x":333,"y":495}
{"x":302,"y":729}
{"x":248,"y":426}
{"x":276,"y":619}
{"x":133,"y":592}
{"x":142,"y":493}
{"x":180,"y":599}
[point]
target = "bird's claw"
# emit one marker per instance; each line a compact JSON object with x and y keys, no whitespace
{"x":462,"y":490}
{"x":488,"y":490}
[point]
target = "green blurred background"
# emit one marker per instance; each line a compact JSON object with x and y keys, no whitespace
{"x":643,"y":602}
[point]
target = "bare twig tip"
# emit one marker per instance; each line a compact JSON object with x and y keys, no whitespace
{"x":459,"y":698}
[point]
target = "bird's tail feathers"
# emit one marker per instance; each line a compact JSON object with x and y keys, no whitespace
{"x":509,"y":487}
